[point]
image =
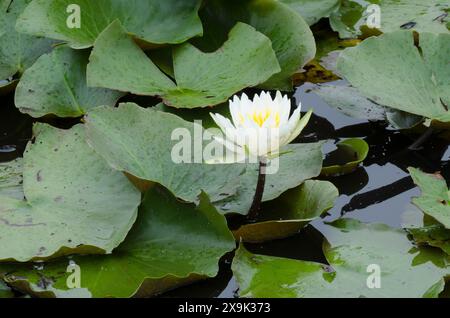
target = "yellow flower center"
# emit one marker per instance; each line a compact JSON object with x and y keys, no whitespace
{"x":260,"y":117}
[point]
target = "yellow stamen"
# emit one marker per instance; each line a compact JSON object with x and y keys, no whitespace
{"x":260,"y":117}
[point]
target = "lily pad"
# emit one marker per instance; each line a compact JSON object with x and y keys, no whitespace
{"x":353,"y":247}
{"x":292,"y":40}
{"x":11,"y":179}
{"x":433,"y":235}
{"x":203,"y":79}
{"x":291,"y":212}
{"x":346,"y":159}
{"x":435,"y":199}
{"x":313,"y":10}
{"x":351,"y":102}
{"x":5,"y":291}
{"x":17,"y":51}
{"x":422,"y":16}
{"x":152,"y":21}
{"x":56,"y":84}
{"x":379,"y":66}
{"x":75,"y":203}
{"x":172,"y":244}
{"x":139,"y":141}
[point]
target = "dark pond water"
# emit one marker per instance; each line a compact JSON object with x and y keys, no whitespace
{"x":379,"y":191}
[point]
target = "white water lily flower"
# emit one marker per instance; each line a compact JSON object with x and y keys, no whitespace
{"x":260,"y":127}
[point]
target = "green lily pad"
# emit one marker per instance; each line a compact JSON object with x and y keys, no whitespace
{"x":75,"y":203}
{"x":172,"y":244}
{"x":346,"y":159}
{"x":292,"y":40}
{"x":17,"y":51}
{"x":434,"y":200}
{"x":422,"y":16}
{"x":290,"y":213}
{"x":203,"y":79}
{"x":379,"y":65}
{"x":153,"y":21}
{"x":313,"y":10}
{"x":299,"y":162}
{"x":5,"y":291}
{"x":56,"y":84}
{"x":351,"y":102}
{"x":139,"y":142}
{"x":11,"y":179}
{"x":405,"y":271}
{"x":433,"y":235}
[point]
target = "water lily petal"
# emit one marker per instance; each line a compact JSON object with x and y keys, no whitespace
{"x":300,"y":126}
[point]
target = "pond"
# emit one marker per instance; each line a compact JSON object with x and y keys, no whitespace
{"x":379,"y":191}
{"x":140,"y":141}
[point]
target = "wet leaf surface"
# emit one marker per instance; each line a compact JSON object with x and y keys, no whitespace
{"x":172,"y":244}
{"x":291,"y":38}
{"x":291,"y":212}
{"x":202,"y":79}
{"x":153,"y":21}
{"x":353,"y":247}
{"x":378,"y":66}
{"x":430,"y":16}
{"x":75,"y":203}
{"x":17,"y":51}
{"x":346,"y":158}
{"x":56,"y":84}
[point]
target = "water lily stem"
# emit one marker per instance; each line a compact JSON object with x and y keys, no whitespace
{"x":422,"y":139}
{"x":256,"y":205}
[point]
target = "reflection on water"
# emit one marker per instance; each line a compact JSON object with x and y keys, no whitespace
{"x":379,"y":191}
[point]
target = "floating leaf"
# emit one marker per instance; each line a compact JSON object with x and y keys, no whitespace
{"x":379,"y":65}
{"x":353,"y":249}
{"x":17,"y":51}
{"x":298,"y":162}
{"x":434,"y":200}
{"x":56,"y":84}
{"x":5,"y":291}
{"x":433,"y":235}
{"x":313,"y":10}
{"x":153,"y":21}
{"x":11,"y":179}
{"x":203,"y":79}
{"x":75,"y":203}
{"x":351,"y":102}
{"x":292,"y":40}
{"x":291,"y":212}
{"x":139,"y":141}
{"x":172,"y":244}
{"x":418,"y":15}
{"x":346,"y":158}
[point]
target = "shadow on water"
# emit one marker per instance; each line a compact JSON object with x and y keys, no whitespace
{"x":379,"y":191}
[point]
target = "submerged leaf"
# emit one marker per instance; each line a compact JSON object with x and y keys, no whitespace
{"x":172,"y":244}
{"x":75,"y":203}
